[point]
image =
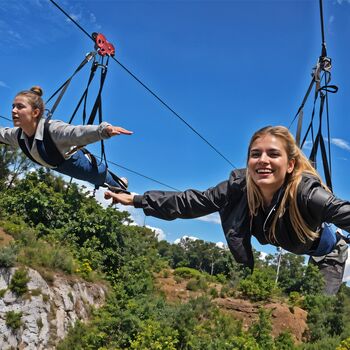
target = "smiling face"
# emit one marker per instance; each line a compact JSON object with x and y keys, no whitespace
{"x":268,"y":164}
{"x":24,"y":115}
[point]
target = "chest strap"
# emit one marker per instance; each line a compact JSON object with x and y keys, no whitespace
{"x":46,"y":148}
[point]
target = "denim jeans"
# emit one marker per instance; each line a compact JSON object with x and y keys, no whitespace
{"x":80,"y":167}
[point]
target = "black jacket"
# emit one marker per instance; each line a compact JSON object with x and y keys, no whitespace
{"x":229,"y":198}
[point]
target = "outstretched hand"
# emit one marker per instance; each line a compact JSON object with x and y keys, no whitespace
{"x":122,"y":198}
{"x":117,"y":130}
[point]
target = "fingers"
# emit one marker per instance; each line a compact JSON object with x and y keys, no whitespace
{"x":124,"y":131}
{"x":109,"y":195}
{"x":117,"y":130}
{"x":122,"y":198}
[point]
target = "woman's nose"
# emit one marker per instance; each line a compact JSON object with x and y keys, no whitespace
{"x":263,"y":158}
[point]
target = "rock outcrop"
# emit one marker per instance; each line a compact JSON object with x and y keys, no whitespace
{"x":46,"y":311}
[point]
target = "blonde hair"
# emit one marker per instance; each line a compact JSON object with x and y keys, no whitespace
{"x":34,"y":98}
{"x":302,"y":165}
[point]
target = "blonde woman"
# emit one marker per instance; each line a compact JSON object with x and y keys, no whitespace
{"x":279,"y":199}
{"x":58,"y":145}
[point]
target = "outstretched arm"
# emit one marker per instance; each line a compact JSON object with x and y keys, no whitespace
{"x":122,"y":198}
{"x":66,"y":135}
{"x":168,"y":205}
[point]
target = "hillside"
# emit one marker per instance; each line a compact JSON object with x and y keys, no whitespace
{"x":284,"y":318}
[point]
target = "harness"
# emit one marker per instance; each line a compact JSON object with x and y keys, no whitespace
{"x":46,"y":148}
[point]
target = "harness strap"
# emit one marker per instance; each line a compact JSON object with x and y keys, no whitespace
{"x":65,"y":85}
{"x":47,"y":149}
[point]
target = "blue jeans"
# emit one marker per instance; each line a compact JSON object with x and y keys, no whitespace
{"x":80,"y":167}
{"x":328,"y":240}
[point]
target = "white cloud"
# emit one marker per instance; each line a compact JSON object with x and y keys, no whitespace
{"x":158,"y":232}
{"x":262,"y":255}
{"x":214,"y":218}
{"x":3,"y":84}
{"x":184,"y":239}
{"x":221,"y":245}
{"x":341,"y":143}
{"x":92,"y":17}
{"x":75,"y":17}
{"x":14,"y":34}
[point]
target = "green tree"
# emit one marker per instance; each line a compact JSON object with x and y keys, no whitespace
{"x":261,"y":330}
{"x":260,"y":285}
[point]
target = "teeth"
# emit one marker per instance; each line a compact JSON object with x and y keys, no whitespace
{"x":264,"y":171}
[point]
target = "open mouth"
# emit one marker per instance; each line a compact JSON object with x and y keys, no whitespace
{"x":264,"y":171}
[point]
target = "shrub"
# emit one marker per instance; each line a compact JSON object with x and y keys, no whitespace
{"x":192,"y":285}
{"x":13,"y":319}
{"x":295,"y":299}
{"x":8,"y":256}
{"x":42,"y":254}
{"x":2,"y":292}
{"x":19,"y":281}
{"x":213,"y":292}
{"x":258,"y":286}
{"x":186,"y":272}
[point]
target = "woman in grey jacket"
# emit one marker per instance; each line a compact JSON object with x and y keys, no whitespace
{"x":280,"y":199}
{"x":58,"y":145}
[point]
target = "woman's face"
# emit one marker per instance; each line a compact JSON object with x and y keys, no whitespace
{"x":268,"y":163}
{"x":23,"y":114}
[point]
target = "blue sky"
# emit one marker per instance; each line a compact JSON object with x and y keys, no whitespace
{"x":227,"y":67}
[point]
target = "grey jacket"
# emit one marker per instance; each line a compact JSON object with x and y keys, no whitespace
{"x":65,"y":136}
{"x":229,"y":198}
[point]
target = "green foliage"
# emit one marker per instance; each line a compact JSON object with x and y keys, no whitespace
{"x":326,"y":343}
{"x":187,"y":272}
{"x":324,"y":316}
{"x":19,"y":280}
{"x":39,"y":253}
{"x":8,"y":255}
{"x":198,"y":283}
{"x":284,"y":341}
{"x":258,"y":286}
{"x":344,"y":345}
{"x":261,"y":330}
{"x":155,"y":336}
{"x":312,"y":282}
{"x":13,"y":319}
{"x":291,"y":270}
{"x":2,"y":292}
{"x":295,"y":299}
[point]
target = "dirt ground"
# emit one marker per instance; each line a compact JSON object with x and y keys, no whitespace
{"x":5,"y":239}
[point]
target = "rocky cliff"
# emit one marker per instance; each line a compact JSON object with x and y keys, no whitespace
{"x":46,"y":311}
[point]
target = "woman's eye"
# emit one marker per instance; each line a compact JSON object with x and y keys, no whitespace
{"x":254,"y":155}
{"x":274,"y":155}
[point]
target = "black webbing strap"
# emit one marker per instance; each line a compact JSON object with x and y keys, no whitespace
{"x":300,"y":112}
{"x":47,"y":149}
{"x":24,"y":148}
{"x":97,"y":108}
{"x":62,"y":89}
{"x":85,"y":94}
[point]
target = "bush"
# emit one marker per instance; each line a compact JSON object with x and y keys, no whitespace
{"x":198,"y":283}
{"x":42,"y":254}
{"x":213,"y":292}
{"x":187,"y":272}
{"x":13,"y":319}
{"x":192,"y":285}
{"x":258,"y":286}
{"x":8,"y":256}
{"x":19,"y":281}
